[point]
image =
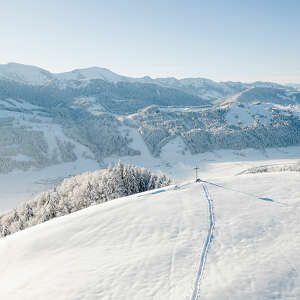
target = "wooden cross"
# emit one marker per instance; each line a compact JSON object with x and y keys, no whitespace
{"x":196,"y":169}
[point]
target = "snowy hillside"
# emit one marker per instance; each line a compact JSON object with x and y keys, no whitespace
{"x":294,"y":85}
{"x":275,"y":95}
{"x":91,"y":73}
{"x":229,"y":238}
{"x":25,"y":74}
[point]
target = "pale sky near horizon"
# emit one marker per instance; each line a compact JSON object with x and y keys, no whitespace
{"x":238,"y":40}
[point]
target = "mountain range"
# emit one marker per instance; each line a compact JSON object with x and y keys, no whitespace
{"x":201,"y":87}
{"x":56,"y":125}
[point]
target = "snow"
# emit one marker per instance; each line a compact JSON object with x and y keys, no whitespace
{"x":22,"y":113}
{"x":150,"y":245}
{"x":230,"y":236}
{"x":145,"y":159}
{"x":132,"y":248}
{"x":295,"y":109}
{"x":24,"y":73}
{"x":206,"y":246}
{"x":90,"y":73}
{"x":21,"y":104}
{"x":182,"y":109}
{"x":237,"y":114}
{"x":38,"y":76}
{"x":22,"y":157}
{"x":176,"y":160}
{"x":19,"y":186}
{"x":254,"y":252}
{"x":89,"y":104}
{"x":246,"y":114}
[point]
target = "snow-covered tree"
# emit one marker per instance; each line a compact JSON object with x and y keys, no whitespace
{"x":80,"y":192}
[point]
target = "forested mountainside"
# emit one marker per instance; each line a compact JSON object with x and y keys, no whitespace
{"x":48,"y":119}
{"x":232,"y":126}
{"x":119,"y":98}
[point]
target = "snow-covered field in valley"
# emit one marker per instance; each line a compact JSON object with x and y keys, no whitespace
{"x":162,"y":245}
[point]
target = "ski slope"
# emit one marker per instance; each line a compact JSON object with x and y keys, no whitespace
{"x":166,"y":244}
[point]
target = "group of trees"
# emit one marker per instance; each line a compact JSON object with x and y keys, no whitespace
{"x":24,"y":142}
{"x":26,"y":148}
{"x":80,"y":192}
{"x":101,"y":135}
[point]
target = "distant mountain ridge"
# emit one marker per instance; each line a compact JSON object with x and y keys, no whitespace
{"x":25,"y":74}
{"x":201,"y":87}
{"x":294,"y":85}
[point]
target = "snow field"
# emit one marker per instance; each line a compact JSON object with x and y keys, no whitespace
{"x":254,"y":253}
{"x":150,"y":245}
{"x":139,"y":247}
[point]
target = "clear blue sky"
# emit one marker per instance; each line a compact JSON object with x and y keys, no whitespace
{"x":243,"y":40}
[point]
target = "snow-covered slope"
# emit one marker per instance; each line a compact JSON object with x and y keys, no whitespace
{"x":254,"y":252}
{"x":267,"y":94}
{"x":166,"y":244}
{"x":91,"y":73}
{"x":132,"y":248}
{"x":34,"y":75}
{"x":25,"y":74}
{"x":294,"y":85}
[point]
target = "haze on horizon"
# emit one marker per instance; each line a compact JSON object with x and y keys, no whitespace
{"x":221,"y":40}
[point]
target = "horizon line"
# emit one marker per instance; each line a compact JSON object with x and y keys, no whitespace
{"x":282,"y":82}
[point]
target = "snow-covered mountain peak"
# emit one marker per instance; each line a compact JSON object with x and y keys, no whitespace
{"x":25,"y":73}
{"x":90,"y":73}
{"x":201,"y":87}
{"x":37,"y":76}
{"x":196,"y":81}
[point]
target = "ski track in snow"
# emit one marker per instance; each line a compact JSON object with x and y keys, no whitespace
{"x":207,"y":244}
{"x":173,"y":257}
